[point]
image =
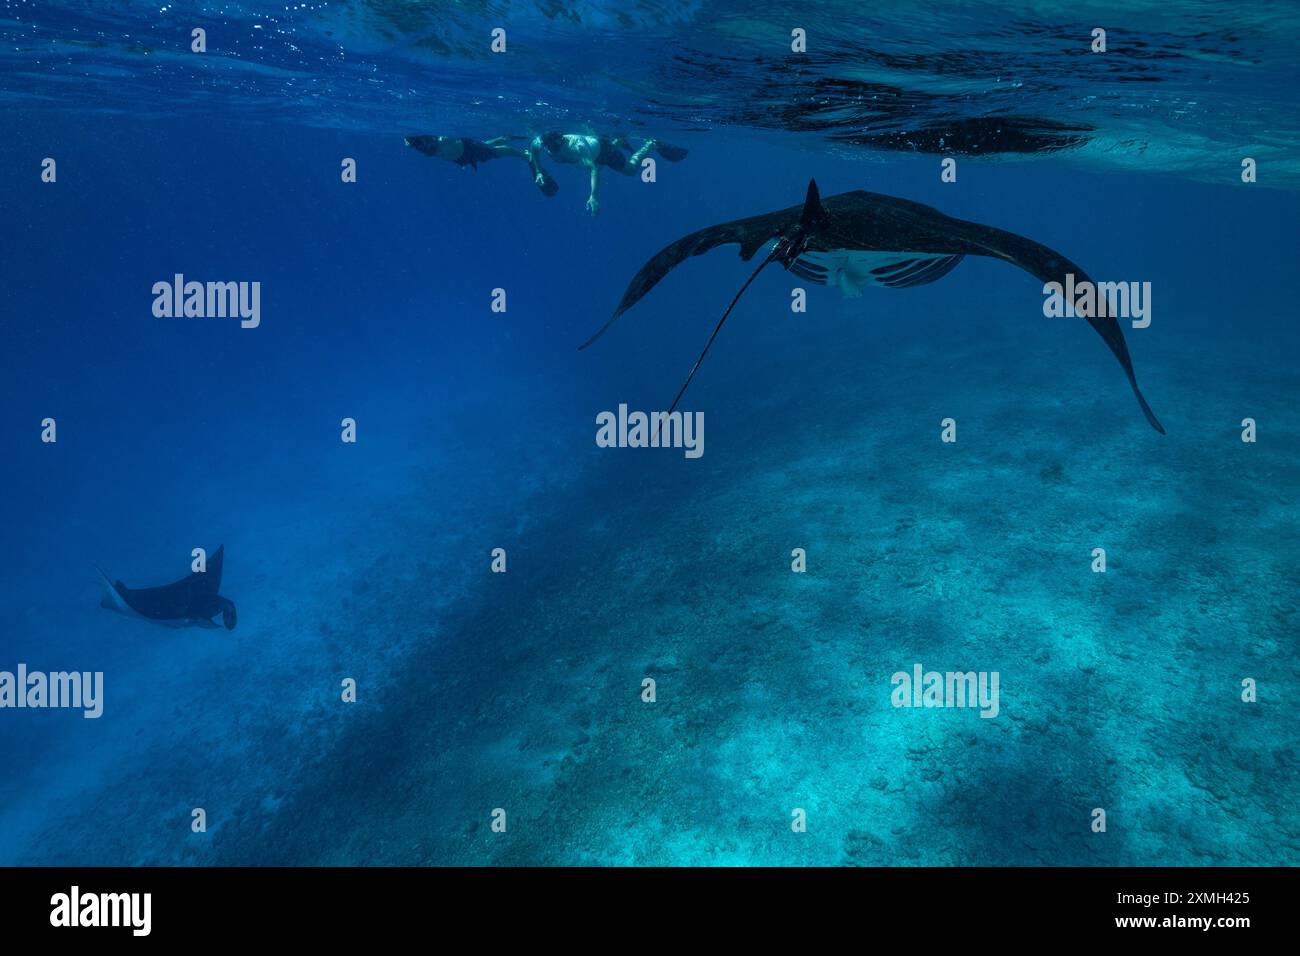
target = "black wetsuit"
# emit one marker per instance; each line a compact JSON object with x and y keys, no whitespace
{"x":610,"y":155}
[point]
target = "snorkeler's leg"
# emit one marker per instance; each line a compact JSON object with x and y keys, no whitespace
{"x":634,"y":161}
{"x":500,"y":146}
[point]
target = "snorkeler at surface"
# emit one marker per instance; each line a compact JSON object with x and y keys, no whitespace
{"x":593,"y":152}
{"x":581,"y":149}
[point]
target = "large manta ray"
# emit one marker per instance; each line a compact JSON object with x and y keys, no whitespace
{"x":192,"y":601}
{"x":861,"y":238}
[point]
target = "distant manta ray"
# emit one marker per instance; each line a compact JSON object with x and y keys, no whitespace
{"x":861,"y":238}
{"x":192,"y":601}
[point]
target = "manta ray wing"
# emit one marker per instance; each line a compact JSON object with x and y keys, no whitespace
{"x":168,"y":602}
{"x":210,"y":580}
{"x":750,"y":234}
{"x":112,"y":598}
{"x":1048,"y":265}
{"x":861,"y":220}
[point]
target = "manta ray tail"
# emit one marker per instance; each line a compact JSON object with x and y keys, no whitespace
{"x":718,"y":328}
{"x":788,"y":248}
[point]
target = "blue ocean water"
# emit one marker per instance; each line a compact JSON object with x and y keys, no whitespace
{"x":523,"y":691}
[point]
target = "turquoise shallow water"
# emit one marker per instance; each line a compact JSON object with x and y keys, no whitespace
{"x":522,"y":690}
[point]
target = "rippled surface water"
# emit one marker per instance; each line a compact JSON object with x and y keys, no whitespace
{"x":1188,"y":88}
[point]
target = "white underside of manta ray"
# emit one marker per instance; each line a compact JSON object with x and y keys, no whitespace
{"x":858,"y":239}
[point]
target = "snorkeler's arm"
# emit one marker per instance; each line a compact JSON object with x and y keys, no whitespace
{"x":634,"y":163}
{"x":592,"y":203}
{"x":534,"y":156}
